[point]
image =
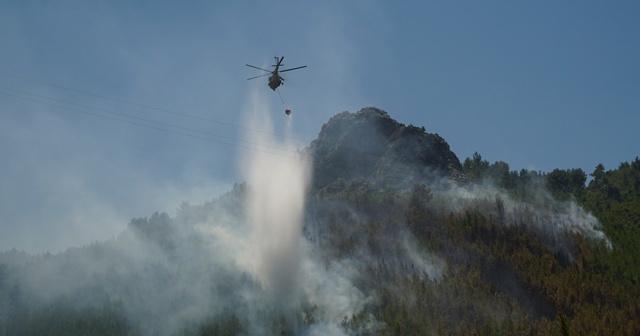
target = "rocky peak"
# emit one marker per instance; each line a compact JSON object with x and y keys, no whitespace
{"x":370,"y":145}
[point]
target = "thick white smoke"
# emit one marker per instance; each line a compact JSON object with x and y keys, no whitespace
{"x":288,"y":266}
{"x":277,"y":189}
{"x":544,"y":214}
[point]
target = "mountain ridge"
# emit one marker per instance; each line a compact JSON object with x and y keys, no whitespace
{"x":371,"y":145}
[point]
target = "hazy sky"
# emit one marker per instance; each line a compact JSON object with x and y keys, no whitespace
{"x":114,"y":110}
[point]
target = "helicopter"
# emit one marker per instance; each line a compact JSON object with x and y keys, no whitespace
{"x":275,"y":80}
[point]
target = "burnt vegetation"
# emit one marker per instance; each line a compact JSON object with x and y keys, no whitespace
{"x":500,"y":263}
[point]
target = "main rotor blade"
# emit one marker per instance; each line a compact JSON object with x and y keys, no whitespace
{"x":259,"y":76}
{"x":255,"y":67}
{"x":300,"y":67}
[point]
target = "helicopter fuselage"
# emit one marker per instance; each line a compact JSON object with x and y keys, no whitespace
{"x":274,"y":81}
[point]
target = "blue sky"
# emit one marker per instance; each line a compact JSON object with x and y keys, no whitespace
{"x":539,"y":85}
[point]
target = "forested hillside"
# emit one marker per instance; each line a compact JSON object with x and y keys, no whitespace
{"x":497,"y":252}
{"x":595,"y":288}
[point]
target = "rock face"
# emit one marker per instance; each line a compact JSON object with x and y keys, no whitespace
{"x":371,"y":145}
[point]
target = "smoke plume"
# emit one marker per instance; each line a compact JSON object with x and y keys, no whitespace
{"x":277,"y":191}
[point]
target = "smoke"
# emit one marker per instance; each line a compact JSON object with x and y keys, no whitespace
{"x":277,"y":191}
{"x":291,"y":269}
{"x":541,"y":213}
{"x":240,"y":256}
{"x":266,"y":255}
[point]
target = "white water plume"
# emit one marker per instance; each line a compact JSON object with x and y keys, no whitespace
{"x":277,"y":188}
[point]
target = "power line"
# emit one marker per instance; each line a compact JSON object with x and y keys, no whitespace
{"x":131,"y":117}
{"x":284,"y":152}
{"x":149,"y":107}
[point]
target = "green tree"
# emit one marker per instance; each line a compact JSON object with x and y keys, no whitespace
{"x":475,"y":168}
{"x":565,"y":183}
{"x":599,"y":172}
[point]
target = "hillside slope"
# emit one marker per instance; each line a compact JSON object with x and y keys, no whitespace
{"x":397,"y":238}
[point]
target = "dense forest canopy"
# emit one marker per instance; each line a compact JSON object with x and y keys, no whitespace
{"x":499,"y":252}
